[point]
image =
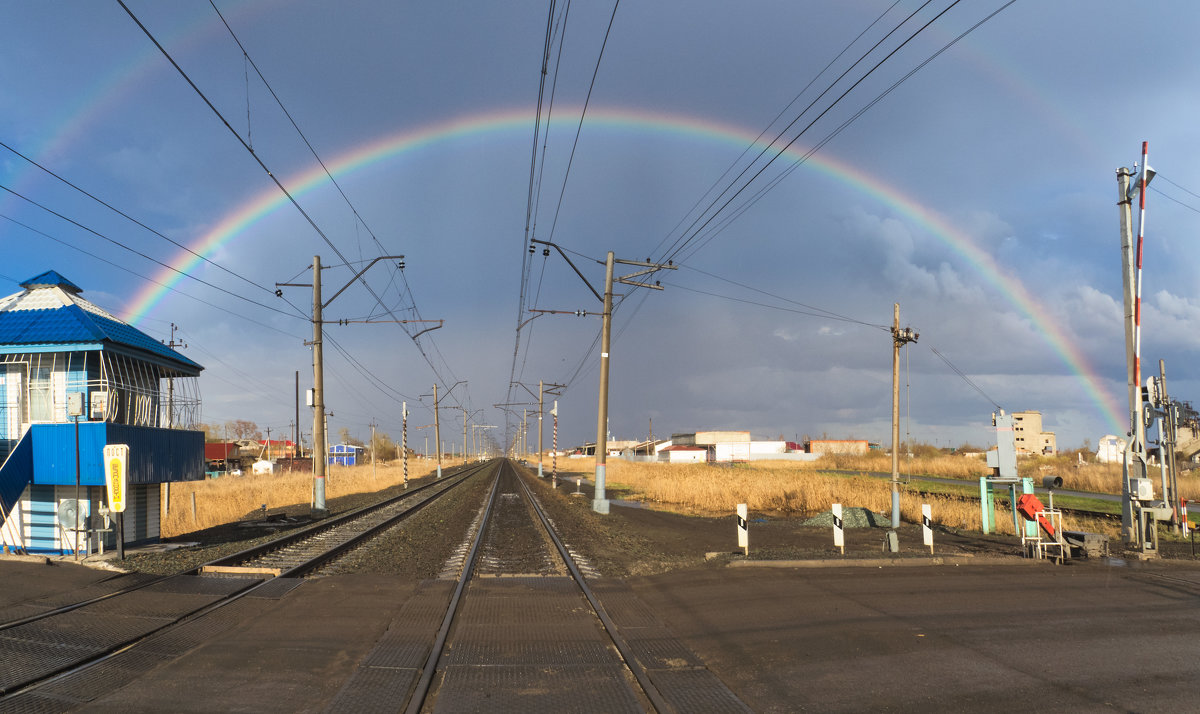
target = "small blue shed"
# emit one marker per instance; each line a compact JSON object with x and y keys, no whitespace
{"x":345,"y":454}
{"x":133,"y":389}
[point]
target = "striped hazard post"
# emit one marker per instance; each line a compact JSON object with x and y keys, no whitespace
{"x":927,"y":526}
{"x":554,"y":449}
{"x":743,"y":529}
{"x":404,"y":438}
{"x":839,"y":535}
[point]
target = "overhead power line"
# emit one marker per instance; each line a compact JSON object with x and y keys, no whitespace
{"x":274,"y":179}
{"x":790,"y":124}
{"x":583,"y":115}
{"x":965,"y":378}
{"x":680,"y":245}
{"x":156,"y":282}
{"x":135,"y":221}
{"x":135,"y":251}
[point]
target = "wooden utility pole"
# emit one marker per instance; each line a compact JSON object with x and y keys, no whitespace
{"x":900,"y":337}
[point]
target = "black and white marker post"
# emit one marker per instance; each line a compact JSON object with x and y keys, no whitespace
{"x":839,"y":536}
{"x":743,"y":529}
{"x":927,"y":526}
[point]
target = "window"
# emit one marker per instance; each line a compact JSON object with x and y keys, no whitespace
{"x":41,"y":394}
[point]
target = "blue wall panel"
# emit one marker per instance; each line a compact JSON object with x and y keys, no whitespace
{"x":155,"y":455}
{"x":17,"y":472}
{"x":43,"y":519}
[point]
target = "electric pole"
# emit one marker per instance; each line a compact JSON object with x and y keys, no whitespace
{"x":541,"y":408}
{"x":437,"y":424}
{"x":171,"y":382}
{"x":318,"y":509}
{"x":900,"y":337}
{"x":1134,"y":464}
{"x":373,"y":449}
{"x":437,"y":432}
{"x":599,"y":500}
{"x":320,"y":442}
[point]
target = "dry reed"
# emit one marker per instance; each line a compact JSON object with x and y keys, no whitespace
{"x":232,"y":498}
{"x":785,"y":488}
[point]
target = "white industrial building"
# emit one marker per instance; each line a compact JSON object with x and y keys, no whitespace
{"x":1111,"y":449}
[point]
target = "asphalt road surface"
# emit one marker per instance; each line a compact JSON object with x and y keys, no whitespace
{"x":1088,"y":636}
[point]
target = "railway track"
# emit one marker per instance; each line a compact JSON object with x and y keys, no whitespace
{"x":53,"y":658}
{"x":515,"y":625}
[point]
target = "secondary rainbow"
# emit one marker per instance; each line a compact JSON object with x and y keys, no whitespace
{"x":517,"y":121}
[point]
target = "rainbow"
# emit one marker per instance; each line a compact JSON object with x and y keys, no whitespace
{"x":518,"y":120}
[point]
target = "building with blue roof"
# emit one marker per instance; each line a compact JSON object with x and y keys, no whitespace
{"x":57,"y":348}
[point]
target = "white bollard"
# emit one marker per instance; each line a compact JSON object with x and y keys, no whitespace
{"x":743,"y":529}
{"x":839,"y":537}
{"x":927,"y":526}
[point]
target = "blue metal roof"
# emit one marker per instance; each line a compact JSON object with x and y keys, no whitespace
{"x":72,"y":325}
{"x":52,"y":278}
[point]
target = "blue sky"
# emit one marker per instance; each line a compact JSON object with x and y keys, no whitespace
{"x":1011,"y":138}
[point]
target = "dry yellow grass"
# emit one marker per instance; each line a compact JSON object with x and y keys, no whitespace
{"x":230,"y":498}
{"x":1095,"y":477}
{"x":783,"y":487}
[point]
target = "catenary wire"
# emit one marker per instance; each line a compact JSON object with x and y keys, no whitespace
{"x":274,"y":179}
{"x":758,"y":195}
{"x":133,"y":220}
{"x":535,"y":182}
{"x":767,"y":128}
{"x":137,"y":252}
{"x":965,"y":378}
{"x":583,"y":115}
{"x":152,"y":280}
{"x":677,"y":246}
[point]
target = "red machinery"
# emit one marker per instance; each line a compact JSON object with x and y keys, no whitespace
{"x":1029,"y":506}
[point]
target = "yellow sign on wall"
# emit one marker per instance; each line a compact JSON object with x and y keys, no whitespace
{"x":116,"y":475}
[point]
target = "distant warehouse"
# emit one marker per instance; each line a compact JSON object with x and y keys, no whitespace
{"x":837,"y":446}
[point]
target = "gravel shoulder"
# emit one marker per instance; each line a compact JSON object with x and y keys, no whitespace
{"x":631,"y":540}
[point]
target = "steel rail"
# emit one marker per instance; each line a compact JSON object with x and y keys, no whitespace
{"x":333,"y":553}
{"x":631,"y":661}
{"x":13,"y":690}
{"x":284,"y":540}
{"x":421,"y":692}
{"x":316,"y":528}
{"x":90,"y":601}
